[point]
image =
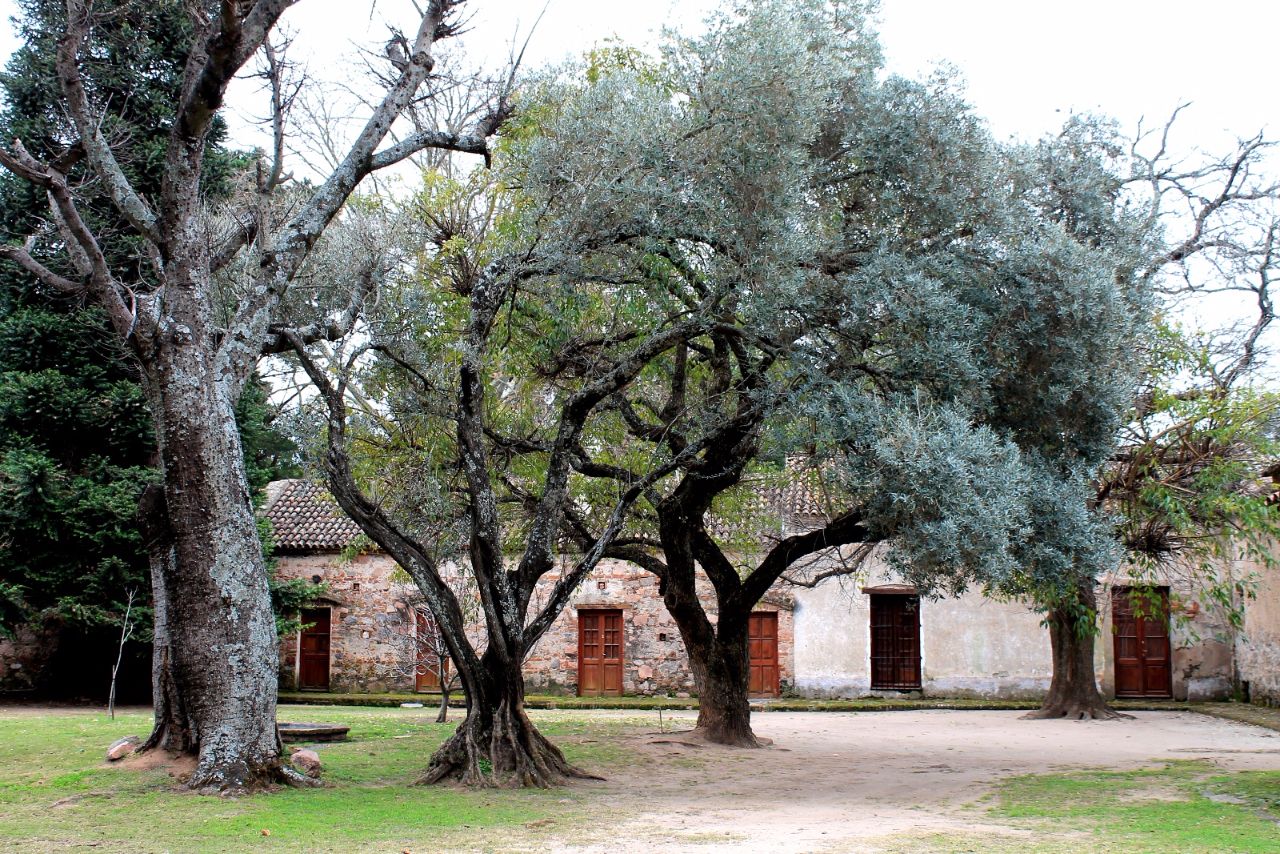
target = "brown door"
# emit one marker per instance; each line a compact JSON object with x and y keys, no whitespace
{"x":313,"y":658}
{"x":762,"y":643}
{"x":431,"y":666}
{"x":1140,"y":619}
{"x":895,"y":642}
{"x":600,"y":653}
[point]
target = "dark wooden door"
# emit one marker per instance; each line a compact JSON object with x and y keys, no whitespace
{"x":1140,"y":619}
{"x":313,"y":657}
{"x":600,"y":653}
{"x":431,"y":667}
{"x":762,"y":643}
{"x":895,"y":642}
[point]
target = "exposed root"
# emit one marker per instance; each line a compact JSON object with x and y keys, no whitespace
{"x":242,"y":778}
{"x":1077,"y":712}
{"x":506,"y":751}
{"x":727,"y":737}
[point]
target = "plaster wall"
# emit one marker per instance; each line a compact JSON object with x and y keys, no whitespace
{"x":1199,"y":638}
{"x":1258,"y":647}
{"x":970,"y":646}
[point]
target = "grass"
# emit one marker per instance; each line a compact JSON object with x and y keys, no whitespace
{"x":57,"y":793}
{"x":1178,"y":807}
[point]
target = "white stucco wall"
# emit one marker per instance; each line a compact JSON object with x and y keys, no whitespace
{"x":970,"y":646}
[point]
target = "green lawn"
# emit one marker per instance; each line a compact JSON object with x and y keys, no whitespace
{"x":1179,"y":807}
{"x":57,"y":793}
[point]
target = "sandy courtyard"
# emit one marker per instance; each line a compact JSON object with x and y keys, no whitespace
{"x":846,"y":781}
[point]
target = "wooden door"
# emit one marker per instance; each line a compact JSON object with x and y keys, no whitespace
{"x":762,"y":644}
{"x":1140,"y":620}
{"x":313,"y":654}
{"x":430,"y":668}
{"x":600,"y":653}
{"x":895,"y":642}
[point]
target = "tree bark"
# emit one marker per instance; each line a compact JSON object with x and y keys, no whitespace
{"x":721,"y":670}
{"x":1073,"y":691}
{"x":216,"y":650}
{"x":171,"y":731}
{"x":497,"y":744}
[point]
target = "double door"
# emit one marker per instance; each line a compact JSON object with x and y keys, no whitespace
{"x":600,"y":651}
{"x":1140,"y":621}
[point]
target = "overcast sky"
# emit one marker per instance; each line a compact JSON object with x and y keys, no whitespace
{"x":1026,"y":62}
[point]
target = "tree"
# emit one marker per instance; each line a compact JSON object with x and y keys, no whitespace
{"x":914,"y":317}
{"x":1177,"y":487}
{"x":486,"y":337}
{"x":76,"y":438}
{"x":205,"y":299}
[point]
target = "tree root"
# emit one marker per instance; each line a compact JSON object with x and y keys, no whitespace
{"x":1076,"y":712}
{"x":241,"y":778}
{"x":506,"y":751}
{"x":728,"y":737}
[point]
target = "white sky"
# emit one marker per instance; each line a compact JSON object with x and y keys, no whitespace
{"x":1026,"y":62}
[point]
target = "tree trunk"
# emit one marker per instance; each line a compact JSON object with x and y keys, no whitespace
{"x":216,"y":650}
{"x":1073,"y":691}
{"x":721,"y":670}
{"x":497,"y":744}
{"x":172,"y":730}
{"x":443,"y":717}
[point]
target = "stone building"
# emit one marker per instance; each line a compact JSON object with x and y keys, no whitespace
{"x":363,"y":636}
{"x":842,"y":638}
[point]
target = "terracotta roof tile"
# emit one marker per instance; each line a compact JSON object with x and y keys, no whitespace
{"x":305,"y":518}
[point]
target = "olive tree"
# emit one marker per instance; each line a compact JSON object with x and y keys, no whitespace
{"x":910,"y":311}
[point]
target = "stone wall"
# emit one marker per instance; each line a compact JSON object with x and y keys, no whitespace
{"x":371,"y":629}
{"x":370,"y":623}
{"x":23,"y":657}
{"x":655,"y":661}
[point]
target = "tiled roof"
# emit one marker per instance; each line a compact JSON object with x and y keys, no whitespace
{"x":305,"y":518}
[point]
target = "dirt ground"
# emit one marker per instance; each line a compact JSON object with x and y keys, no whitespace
{"x":847,"y":781}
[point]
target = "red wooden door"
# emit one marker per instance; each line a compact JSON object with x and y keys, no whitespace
{"x":431,"y":667}
{"x":762,"y":643}
{"x":895,"y":642}
{"x":1142,"y":651}
{"x":600,"y":653}
{"x":313,"y":655}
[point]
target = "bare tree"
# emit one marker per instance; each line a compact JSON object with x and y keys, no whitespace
{"x":215,"y":683}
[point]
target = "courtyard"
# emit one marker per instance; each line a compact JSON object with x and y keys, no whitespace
{"x":923,"y":781}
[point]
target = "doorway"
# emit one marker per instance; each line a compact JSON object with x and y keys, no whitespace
{"x":895,"y":642}
{"x":1140,"y":621}
{"x":313,"y":650}
{"x":431,"y":668}
{"x":762,"y":646}
{"x":600,"y":653}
